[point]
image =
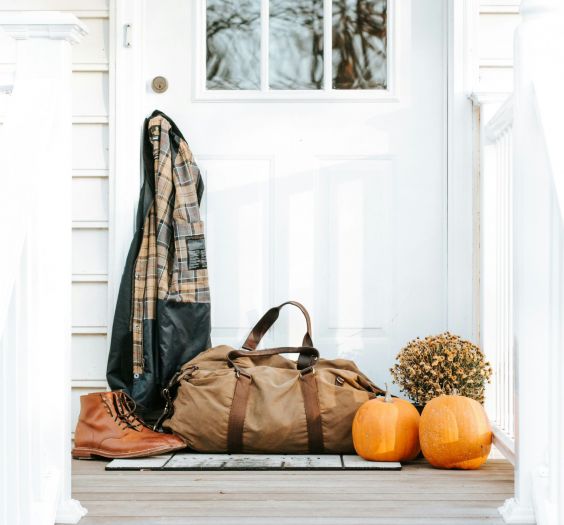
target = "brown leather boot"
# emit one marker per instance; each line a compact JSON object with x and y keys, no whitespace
{"x":108,"y":427}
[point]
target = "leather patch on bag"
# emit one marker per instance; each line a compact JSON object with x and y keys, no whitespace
{"x":196,"y":253}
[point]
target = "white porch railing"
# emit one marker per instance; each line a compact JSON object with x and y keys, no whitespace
{"x":497,"y":274}
{"x":35,"y":273}
{"x":523,"y":267}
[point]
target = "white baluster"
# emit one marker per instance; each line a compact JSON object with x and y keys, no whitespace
{"x":496,"y":247}
{"x":499,"y":306}
{"x":509,"y":293}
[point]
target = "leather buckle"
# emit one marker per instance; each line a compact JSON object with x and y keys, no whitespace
{"x":240,"y":372}
{"x":308,"y":370}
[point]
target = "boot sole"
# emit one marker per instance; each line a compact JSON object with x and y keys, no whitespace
{"x":92,"y":453}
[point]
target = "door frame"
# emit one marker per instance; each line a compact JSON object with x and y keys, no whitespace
{"x":127,"y":88}
{"x":463,"y":206}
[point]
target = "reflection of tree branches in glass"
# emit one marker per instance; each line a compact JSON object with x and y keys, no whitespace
{"x":359,"y":44}
{"x":233,"y":44}
{"x":296,"y":44}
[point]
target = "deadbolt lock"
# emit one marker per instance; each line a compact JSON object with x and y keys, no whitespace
{"x":159,"y":84}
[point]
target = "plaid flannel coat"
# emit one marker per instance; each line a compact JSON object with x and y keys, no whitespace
{"x":162,"y":317}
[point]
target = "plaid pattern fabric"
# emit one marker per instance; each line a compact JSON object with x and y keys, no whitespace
{"x":171,"y":264}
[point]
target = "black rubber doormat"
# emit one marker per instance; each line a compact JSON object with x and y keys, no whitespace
{"x":191,"y":461}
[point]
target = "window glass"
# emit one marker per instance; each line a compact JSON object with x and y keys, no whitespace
{"x":359,"y":44}
{"x":296,"y":44}
{"x":233,"y":44}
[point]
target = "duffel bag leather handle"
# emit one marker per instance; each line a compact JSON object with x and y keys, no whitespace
{"x":311,"y":353}
{"x":268,"y":319}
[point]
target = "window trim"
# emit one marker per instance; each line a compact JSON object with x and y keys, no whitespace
{"x":327,"y":94}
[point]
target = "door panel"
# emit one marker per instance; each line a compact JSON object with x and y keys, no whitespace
{"x":339,"y":203}
{"x":239,"y":256}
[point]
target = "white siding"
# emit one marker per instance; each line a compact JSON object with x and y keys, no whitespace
{"x":494,"y":47}
{"x":90,"y":201}
{"x":90,"y":186}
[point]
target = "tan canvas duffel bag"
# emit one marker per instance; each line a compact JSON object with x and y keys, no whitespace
{"x":258,"y":401}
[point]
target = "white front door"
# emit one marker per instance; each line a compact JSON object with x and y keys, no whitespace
{"x":319,"y":126}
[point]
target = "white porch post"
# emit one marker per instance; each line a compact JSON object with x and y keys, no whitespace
{"x":38,"y":132}
{"x":537,"y":236}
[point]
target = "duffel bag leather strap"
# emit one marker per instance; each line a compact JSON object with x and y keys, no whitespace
{"x":237,"y":414}
{"x":268,"y":319}
{"x":312,"y":412}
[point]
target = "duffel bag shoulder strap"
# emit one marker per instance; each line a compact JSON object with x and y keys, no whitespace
{"x":268,"y":319}
{"x":312,"y":411}
{"x":241,"y":397}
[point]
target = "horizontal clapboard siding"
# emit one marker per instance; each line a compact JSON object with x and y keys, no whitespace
{"x":90,"y":186}
{"x":90,"y":211}
{"x":497,"y":22}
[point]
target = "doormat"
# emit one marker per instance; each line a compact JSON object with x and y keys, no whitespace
{"x":191,"y":461}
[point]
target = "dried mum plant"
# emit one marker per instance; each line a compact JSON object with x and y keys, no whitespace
{"x":441,"y":364}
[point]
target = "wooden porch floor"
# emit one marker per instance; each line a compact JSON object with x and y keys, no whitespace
{"x":418,"y":495}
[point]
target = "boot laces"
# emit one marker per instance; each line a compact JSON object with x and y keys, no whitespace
{"x":124,"y":412}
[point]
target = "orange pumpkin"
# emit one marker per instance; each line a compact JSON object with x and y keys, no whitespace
{"x":386,"y":429}
{"x":455,"y":433}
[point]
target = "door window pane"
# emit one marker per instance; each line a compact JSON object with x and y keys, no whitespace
{"x":359,"y":44}
{"x":296,"y":44}
{"x":233,"y":44}
{"x":297,"y":47}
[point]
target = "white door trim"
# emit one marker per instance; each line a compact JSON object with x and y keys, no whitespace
{"x":462,"y":196}
{"x":127,"y":85}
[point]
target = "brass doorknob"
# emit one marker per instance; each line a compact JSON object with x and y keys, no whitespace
{"x":159,"y":84}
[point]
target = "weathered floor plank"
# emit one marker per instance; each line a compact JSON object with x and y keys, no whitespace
{"x":418,"y":494}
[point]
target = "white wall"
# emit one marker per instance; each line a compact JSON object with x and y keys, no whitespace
{"x":89,"y":185}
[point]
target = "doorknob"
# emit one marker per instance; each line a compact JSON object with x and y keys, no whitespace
{"x":159,"y":84}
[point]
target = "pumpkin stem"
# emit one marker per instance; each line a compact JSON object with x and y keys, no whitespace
{"x":388,"y":396}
